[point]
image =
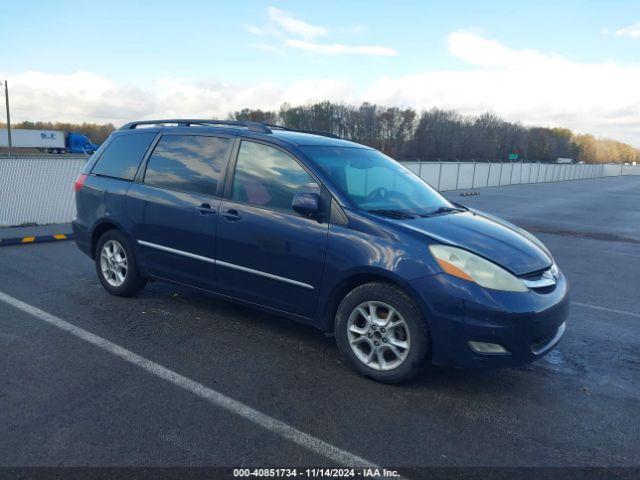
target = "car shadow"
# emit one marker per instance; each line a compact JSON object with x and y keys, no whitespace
{"x":254,"y":321}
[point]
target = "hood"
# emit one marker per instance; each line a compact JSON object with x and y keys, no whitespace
{"x":495,"y":240}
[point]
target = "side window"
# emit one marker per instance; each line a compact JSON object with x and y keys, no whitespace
{"x":267,"y":177}
{"x":122,"y":156}
{"x":192,"y":163}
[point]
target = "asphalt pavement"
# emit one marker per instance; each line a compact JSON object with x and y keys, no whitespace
{"x":67,"y":402}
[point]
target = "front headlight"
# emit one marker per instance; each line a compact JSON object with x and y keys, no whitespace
{"x":468,"y":266}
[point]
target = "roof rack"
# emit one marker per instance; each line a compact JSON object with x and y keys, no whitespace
{"x":249,"y":125}
{"x":314,"y":132}
{"x":187,"y":122}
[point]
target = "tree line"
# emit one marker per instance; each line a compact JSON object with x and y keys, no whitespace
{"x":405,"y":134}
{"x":97,"y":132}
{"x":445,"y":135}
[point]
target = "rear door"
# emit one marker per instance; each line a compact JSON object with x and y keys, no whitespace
{"x":267,"y":253}
{"x":174,"y":205}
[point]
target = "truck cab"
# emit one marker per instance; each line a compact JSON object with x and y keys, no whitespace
{"x":78,"y":143}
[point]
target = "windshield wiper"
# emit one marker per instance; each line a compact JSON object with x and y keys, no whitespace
{"x":460,"y":206}
{"x":442,"y":210}
{"x":399,"y":214}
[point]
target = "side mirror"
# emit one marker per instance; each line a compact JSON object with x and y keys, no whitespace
{"x":306,"y":203}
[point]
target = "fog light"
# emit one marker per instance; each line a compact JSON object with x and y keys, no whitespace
{"x":483,"y":347}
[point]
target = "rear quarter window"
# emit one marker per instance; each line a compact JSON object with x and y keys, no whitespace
{"x":122,"y":156}
{"x":190,"y":163}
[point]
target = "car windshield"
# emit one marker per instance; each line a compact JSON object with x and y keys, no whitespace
{"x":376,"y":182}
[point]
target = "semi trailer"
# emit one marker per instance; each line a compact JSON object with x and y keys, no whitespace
{"x":47,"y":141}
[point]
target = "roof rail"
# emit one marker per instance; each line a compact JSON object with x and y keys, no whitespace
{"x":187,"y":122}
{"x":314,"y":132}
{"x":249,"y":125}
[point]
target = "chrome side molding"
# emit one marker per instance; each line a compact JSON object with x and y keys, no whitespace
{"x":226,"y":264}
{"x":176,"y":251}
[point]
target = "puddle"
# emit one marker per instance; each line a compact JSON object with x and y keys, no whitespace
{"x":556,"y":362}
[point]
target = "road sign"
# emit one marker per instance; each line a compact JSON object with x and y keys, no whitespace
{"x":513,"y":156}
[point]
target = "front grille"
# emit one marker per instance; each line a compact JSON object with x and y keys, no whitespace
{"x":543,"y":281}
{"x":548,"y":289}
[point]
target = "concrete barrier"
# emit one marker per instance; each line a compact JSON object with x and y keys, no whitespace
{"x":40,"y":190}
{"x":469,"y":175}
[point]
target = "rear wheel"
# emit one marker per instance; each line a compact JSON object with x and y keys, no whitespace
{"x":116,"y":265}
{"x":382,"y":333}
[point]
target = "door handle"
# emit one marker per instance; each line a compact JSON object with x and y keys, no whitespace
{"x":231,"y":215}
{"x":205,"y":209}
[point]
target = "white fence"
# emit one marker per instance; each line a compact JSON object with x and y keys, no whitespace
{"x":467,"y":175}
{"x":40,"y":190}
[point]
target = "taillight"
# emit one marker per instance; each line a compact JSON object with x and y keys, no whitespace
{"x":79,"y":182}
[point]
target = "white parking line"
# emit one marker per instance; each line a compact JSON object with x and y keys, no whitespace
{"x":282,"y":429}
{"x":606,"y":309}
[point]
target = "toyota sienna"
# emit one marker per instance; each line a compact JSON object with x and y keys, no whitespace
{"x":322,"y":230}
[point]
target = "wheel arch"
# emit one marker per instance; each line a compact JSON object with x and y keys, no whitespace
{"x":99,"y":229}
{"x":354,"y":280}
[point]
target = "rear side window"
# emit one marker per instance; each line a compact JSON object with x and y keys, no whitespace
{"x":122,"y":156}
{"x":268,"y":177}
{"x":191,"y":163}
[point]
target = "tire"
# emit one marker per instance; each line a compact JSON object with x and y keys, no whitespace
{"x":409,"y":334}
{"x":123,"y":282}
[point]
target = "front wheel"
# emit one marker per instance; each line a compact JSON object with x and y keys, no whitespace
{"x":382,"y":332}
{"x":116,"y":266}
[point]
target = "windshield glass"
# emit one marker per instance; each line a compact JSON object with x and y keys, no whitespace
{"x":375,"y":182}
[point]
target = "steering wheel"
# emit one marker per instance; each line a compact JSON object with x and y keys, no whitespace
{"x":380,"y":192}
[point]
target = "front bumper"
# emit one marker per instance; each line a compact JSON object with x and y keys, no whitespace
{"x":528,"y":325}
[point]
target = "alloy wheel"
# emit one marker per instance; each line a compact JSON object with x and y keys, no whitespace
{"x":378,"y":335}
{"x":113,"y":263}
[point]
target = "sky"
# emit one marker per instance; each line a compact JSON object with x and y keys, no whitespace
{"x":574,"y":64}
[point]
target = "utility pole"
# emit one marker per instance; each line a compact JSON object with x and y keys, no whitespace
{"x":6,"y":100}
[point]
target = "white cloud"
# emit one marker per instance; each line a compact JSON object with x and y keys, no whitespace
{"x":301,"y":35}
{"x":632,"y":31}
{"x":526,"y":86}
{"x":264,"y":30}
{"x":267,"y":47}
{"x":255,"y":30}
{"x":521,"y":85}
{"x":294,"y":26}
{"x":338,"y":49}
{"x":83,"y":95}
{"x":476,"y":50}
{"x":87,"y":97}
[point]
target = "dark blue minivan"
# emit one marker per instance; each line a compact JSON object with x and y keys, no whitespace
{"x":323,"y":230}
